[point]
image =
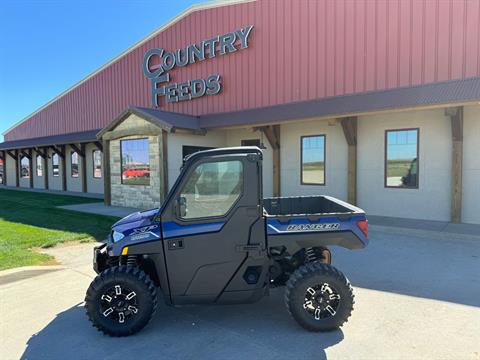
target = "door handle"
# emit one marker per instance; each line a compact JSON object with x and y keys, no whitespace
{"x":175,"y":244}
{"x":253,"y":250}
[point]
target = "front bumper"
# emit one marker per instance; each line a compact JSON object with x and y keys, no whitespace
{"x":100,"y":258}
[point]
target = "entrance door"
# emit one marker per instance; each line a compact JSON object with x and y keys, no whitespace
{"x":205,"y":223}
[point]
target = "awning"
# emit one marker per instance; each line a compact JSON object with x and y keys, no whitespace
{"x":446,"y":92}
{"x":71,"y":138}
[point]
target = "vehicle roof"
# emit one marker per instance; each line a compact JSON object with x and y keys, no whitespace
{"x":224,"y":151}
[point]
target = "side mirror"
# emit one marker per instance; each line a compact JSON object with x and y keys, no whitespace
{"x":182,"y":206}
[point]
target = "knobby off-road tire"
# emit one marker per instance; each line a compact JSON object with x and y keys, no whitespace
{"x":314,"y":305}
{"x":121,"y":300}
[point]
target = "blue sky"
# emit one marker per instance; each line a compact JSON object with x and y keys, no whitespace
{"x":402,"y":145}
{"x":46,"y":46}
{"x":313,"y":148}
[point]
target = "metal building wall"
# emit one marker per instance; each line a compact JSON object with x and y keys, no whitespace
{"x":299,"y":50}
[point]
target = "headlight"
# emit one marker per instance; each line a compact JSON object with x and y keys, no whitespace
{"x":117,"y":236}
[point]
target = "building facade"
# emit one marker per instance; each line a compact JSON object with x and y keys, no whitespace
{"x":373,"y":102}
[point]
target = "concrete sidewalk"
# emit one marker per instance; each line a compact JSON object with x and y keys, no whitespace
{"x":101,"y":209}
{"x":55,"y":192}
{"x":426,"y":225}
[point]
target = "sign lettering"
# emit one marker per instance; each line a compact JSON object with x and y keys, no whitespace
{"x":157,"y":62}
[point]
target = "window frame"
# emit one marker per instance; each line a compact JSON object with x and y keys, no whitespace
{"x":121,"y":161}
{"x":101,"y":163}
{"x":386,"y":160}
{"x":187,"y":177}
{"x":41,"y":165}
{"x":324,"y":160}
{"x":71,"y":165}
{"x":53,"y":165}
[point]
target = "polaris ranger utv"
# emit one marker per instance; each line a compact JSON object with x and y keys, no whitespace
{"x":216,"y":240}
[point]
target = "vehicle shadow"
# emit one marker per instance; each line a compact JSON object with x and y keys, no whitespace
{"x":421,"y":265}
{"x":262,"y":330}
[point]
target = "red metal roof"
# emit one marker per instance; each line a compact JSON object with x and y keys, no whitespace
{"x":298,"y":51}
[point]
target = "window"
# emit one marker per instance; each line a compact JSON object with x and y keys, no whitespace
{"x":1,"y":172}
{"x":188,"y":150}
{"x":401,"y":158}
{"x":55,"y":165}
{"x":97,"y":164}
{"x":24,"y":167}
{"x":39,"y":166}
{"x":135,"y":162}
{"x":250,"y":142}
{"x":212,"y":189}
{"x":74,"y":164}
{"x":313,"y":160}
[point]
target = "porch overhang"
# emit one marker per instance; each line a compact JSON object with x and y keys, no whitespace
{"x":63,"y":139}
{"x":163,"y":120}
{"x":438,"y":94}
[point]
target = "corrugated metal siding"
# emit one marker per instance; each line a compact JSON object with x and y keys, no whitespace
{"x":299,"y":50}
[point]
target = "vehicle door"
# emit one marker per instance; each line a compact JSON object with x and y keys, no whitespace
{"x":205,"y":222}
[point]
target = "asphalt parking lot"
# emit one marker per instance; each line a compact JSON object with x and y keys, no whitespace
{"x":417,"y":296}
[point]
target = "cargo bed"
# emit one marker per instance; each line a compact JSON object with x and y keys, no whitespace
{"x":307,"y":205}
{"x":309,"y":221}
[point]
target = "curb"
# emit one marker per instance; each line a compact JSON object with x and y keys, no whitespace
{"x":425,"y":233}
{"x":26,"y":273}
{"x":31,"y":268}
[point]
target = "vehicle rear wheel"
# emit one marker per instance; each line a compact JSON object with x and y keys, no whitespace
{"x":121,"y":300}
{"x":319,"y":297}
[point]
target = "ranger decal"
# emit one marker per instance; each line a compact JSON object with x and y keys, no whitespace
{"x":313,"y":227}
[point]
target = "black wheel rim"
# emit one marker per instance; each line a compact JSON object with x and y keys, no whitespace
{"x":321,"y":301}
{"x":119,"y":304}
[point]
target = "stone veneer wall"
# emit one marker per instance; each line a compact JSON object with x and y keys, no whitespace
{"x":136,"y":196}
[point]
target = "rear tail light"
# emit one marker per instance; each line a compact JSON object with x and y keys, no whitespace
{"x":363,"y":226}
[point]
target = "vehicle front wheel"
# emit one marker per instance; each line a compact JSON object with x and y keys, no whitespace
{"x":121,"y":300}
{"x":319,"y":297}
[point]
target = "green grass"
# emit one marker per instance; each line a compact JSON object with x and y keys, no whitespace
{"x":29,"y":220}
{"x":397,"y":168}
{"x":314,"y":165}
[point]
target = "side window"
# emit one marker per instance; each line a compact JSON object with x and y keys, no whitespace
{"x":39,"y":166}
{"x":97,"y":164}
{"x":24,"y":167}
{"x":401,"y":158}
{"x":312,"y":160}
{"x":212,"y":189}
{"x":55,"y":165}
{"x":74,"y":164}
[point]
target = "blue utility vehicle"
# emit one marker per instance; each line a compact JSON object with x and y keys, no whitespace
{"x":216,"y":240}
